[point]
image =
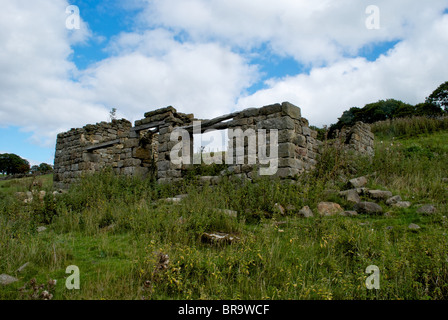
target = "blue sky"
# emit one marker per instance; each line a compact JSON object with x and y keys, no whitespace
{"x":209,"y":58}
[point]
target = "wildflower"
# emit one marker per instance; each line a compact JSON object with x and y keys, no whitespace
{"x":52,"y":283}
{"x":45,"y":295}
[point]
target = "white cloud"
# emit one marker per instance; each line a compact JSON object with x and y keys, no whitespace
{"x":152,"y":70}
{"x":317,"y":32}
{"x":146,"y":70}
{"x":36,"y":92}
{"x":409,"y":72}
{"x":207,"y":73}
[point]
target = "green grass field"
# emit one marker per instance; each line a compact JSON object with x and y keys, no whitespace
{"x":115,"y":228}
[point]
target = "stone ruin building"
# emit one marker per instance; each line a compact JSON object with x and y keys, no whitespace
{"x":146,"y":148}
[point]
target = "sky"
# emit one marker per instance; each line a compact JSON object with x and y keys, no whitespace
{"x":65,"y":64}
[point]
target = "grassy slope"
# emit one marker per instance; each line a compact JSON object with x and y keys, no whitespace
{"x":317,"y":258}
{"x":17,"y":185}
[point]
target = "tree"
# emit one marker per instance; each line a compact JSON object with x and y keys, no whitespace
{"x":385,"y":109}
{"x":11,"y":164}
{"x":439,"y":97}
{"x":45,"y":168}
{"x":428,"y":109}
{"x":34,"y":169}
{"x":113,"y":114}
{"x":373,"y":112}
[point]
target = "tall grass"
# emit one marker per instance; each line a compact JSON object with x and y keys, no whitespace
{"x":116,"y":228}
{"x":409,"y":127}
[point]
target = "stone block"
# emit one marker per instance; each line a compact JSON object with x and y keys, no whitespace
{"x":291,"y":110}
{"x":132,"y":162}
{"x":290,"y":163}
{"x":306,"y":131}
{"x":174,"y":174}
{"x":159,"y":111}
{"x":299,"y":140}
{"x":286,"y":135}
{"x":141,"y":153}
{"x":130,"y":143}
{"x":286,"y":172}
{"x":273,"y":108}
{"x":163,"y":165}
{"x":141,"y":171}
{"x":277,"y":123}
{"x":250,"y":112}
{"x":129,"y":171}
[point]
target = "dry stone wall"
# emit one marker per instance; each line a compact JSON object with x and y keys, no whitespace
{"x":146,"y":148}
{"x":297,"y":146}
{"x":358,"y":138}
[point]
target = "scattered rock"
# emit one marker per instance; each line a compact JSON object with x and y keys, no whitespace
{"x":362,"y":191}
{"x":414,"y":226}
{"x":329,"y":208}
{"x":27,"y":197}
{"x":181,"y":196}
{"x":349,"y":213}
{"x":7,"y":279}
{"x":306,"y":212}
{"x":218,"y":237}
{"x":41,"y":229}
{"x":207,"y":179}
{"x":445,"y":180}
{"x":350,"y":195}
{"x":174,"y":200}
{"x":358,"y":182}
{"x":427,"y":209}
{"x":402,"y":204}
{"x":22,"y":267}
{"x":379,"y":194}
{"x":388,"y":214}
{"x":58,"y":193}
{"x":42,"y":195}
{"x":393,"y":200}
{"x":368,"y":207}
{"x":389,"y":228}
{"x":278,"y":207}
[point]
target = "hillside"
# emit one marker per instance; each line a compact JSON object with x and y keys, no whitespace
{"x":132,"y":239}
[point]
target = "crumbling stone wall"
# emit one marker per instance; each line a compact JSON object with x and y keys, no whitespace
{"x":358,"y":138}
{"x":73,"y":158}
{"x":146,"y":147}
{"x":297,"y":145}
{"x":164,"y":121}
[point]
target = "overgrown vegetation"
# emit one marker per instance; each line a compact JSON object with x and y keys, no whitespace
{"x":409,"y":127}
{"x":435,"y":105}
{"x":118,"y":231}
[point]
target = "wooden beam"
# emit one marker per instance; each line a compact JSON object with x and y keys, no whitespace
{"x":213,"y":123}
{"x":103,"y":145}
{"x":148,"y":126}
